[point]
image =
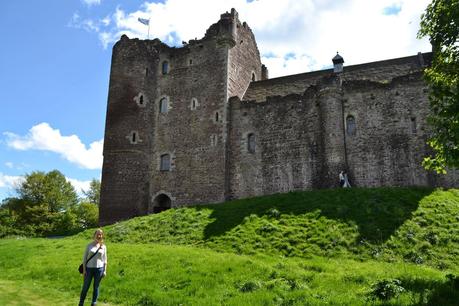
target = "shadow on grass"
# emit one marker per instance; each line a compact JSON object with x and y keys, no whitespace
{"x":445,"y":293}
{"x":378,"y":212}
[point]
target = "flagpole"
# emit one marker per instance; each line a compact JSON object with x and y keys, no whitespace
{"x":147,"y":23}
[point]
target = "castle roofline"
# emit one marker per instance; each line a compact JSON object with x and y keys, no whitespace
{"x":400,"y":60}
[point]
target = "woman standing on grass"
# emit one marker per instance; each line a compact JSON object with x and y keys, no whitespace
{"x":94,"y":266}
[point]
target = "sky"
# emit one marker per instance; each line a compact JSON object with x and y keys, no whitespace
{"x":55,"y":62}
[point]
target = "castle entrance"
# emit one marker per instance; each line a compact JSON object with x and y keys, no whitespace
{"x":161,"y":202}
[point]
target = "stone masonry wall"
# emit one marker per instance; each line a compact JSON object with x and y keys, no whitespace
{"x":192,"y":136}
{"x":125,"y":173}
{"x":303,"y":141}
{"x":382,"y":71}
{"x":389,"y":143}
{"x":286,"y":154}
{"x":244,"y":60}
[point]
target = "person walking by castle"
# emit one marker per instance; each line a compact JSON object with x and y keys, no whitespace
{"x":343,"y":180}
{"x":94,"y":266}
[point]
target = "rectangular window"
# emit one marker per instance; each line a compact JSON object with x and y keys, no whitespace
{"x":163,"y":105}
{"x":165,"y":162}
{"x":251,"y":143}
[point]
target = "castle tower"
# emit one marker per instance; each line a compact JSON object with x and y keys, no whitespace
{"x":332,"y":135}
{"x":128,"y":131}
{"x":168,"y":119}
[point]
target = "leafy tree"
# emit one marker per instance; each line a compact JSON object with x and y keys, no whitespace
{"x":441,"y":23}
{"x":87,"y":215}
{"x":48,"y":189}
{"x":93,"y":194}
{"x":44,"y":204}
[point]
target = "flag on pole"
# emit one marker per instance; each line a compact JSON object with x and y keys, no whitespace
{"x":144,"y":21}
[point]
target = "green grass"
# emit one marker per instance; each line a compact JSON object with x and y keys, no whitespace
{"x":301,"y":248}
{"x":152,"y":274}
{"x":392,"y":224}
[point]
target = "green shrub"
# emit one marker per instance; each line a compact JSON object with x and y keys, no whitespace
{"x":386,"y":289}
{"x":249,"y":286}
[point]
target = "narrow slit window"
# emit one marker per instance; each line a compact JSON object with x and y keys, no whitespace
{"x":134,"y":137}
{"x":350,"y":125}
{"x":216,"y":117}
{"x":165,"y":67}
{"x":165,"y":164}
{"x":413,"y":125}
{"x":141,"y":100}
{"x":163,"y":105}
{"x":254,"y":77}
{"x":146,"y":71}
{"x":190,"y":62}
{"x":251,"y":143}
{"x":194,"y":103}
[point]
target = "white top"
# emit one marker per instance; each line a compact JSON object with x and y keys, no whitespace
{"x":99,"y":260}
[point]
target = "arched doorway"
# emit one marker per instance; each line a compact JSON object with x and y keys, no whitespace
{"x":160,"y":203}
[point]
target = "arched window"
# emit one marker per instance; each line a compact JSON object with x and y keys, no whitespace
{"x":165,"y":67}
{"x":251,"y":143}
{"x":350,"y":125}
{"x":254,"y":77}
{"x":163,"y":105}
{"x":165,"y":164}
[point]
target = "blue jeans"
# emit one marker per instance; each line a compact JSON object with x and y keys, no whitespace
{"x":97,"y":274}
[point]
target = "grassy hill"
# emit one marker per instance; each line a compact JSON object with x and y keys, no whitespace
{"x":335,"y":247}
{"x":419,"y":225}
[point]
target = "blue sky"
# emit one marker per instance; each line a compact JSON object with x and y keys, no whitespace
{"x":55,"y":61}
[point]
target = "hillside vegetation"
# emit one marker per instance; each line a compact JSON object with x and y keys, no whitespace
{"x":384,"y":246}
{"x":418,"y":225}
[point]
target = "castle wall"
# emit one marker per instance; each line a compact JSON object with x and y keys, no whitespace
{"x":304,"y":141}
{"x":124,"y":189}
{"x":244,"y":61}
{"x":192,"y":136}
{"x":331,"y":142}
{"x":382,"y":71}
{"x":389,"y":143}
{"x":286,"y":155}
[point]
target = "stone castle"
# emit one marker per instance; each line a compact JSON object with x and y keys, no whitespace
{"x":203,"y":123}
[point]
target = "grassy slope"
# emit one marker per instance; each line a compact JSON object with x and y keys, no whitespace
{"x":152,"y":274}
{"x":299,"y":248}
{"x":414,"y":224}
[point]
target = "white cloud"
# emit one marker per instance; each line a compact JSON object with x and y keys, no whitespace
{"x":8,"y":181}
{"x":12,"y":182}
{"x":79,"y":186}
{"x":20,"y":166}
{"x":311,"y":30}
{"x":45,"y":138}
{"x":92,"y":2}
